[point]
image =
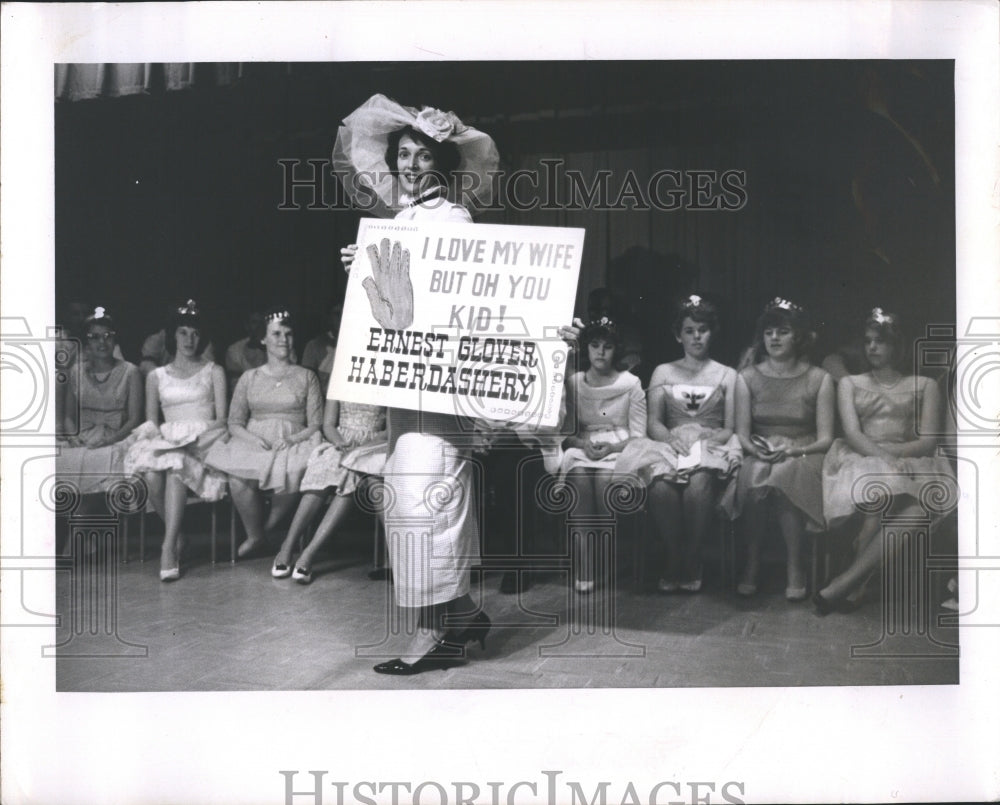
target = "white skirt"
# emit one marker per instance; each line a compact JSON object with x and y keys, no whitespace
{"x":430,"y":520}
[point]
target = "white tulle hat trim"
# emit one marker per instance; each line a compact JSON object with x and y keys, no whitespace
{"x":359,"y":156}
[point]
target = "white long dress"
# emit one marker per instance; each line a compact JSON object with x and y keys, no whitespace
{"x":431,"y":523}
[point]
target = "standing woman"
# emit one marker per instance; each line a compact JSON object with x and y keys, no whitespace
{"x":890,"y":420}
{"x":608,"y":409}
{"x":274,"y":423}
{"x":397,"y":161}
{"x":784,"y":421}
{"x":692,"y":447}
{"x":101,"y":411}
{"x":190,"y":391}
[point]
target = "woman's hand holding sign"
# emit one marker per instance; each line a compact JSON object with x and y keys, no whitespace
{"x":389,"y":290}
{"x":571,"y":334}
{"x":347,"y":255}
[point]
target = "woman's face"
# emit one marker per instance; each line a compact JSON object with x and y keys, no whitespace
{"x":602,"y":355}
{"x":187,"y":339}
{"x":779,"y":341}
{"x":878,"y":351}
{"x":100,"y":341}
{"x":415,"y":163}
{"x":695,"y":337}
{"x":278,"y":340}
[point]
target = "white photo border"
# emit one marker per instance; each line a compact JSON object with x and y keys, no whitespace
{"x":782,"y":744}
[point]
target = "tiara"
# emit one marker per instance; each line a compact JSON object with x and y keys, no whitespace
{"x":189,"y":308}
{"x":277,"y":315}
{"x":692,"y":301}
{"x":604,"y":323}
{"x":781,"y":303}
{"x":879,"y":316}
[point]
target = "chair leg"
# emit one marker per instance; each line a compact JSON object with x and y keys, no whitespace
{"x":142,"y":537}
{"x":820,"y":557}
{"x":376,"y":547}
{"x":215,"y":511}
{"x":639,"y":548}
{"x":124,"y":525}
{"x":728,"y":534}
{"x":232,"y":533}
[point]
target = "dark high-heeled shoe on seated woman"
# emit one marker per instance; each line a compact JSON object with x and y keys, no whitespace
{"x":443,"y":655}
{"x":824,"y":606}
{"x":476,"y":631}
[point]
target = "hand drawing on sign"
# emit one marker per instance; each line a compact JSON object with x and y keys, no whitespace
{"x":390,"y":291}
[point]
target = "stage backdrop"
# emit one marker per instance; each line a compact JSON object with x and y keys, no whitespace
{"x":828,"y":182}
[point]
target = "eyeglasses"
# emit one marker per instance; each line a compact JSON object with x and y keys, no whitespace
{"x":106,"y":336}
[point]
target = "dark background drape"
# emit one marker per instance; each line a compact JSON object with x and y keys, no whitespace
{"x":849,"y":169}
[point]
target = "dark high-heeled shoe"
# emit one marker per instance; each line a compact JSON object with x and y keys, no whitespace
{"x":476,"y":631}
{"x":824,"y":606}
{"x":442,"y":655}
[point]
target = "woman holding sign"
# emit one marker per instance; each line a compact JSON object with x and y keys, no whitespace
{"x":784,"y":421}
{"x":397,"y":161}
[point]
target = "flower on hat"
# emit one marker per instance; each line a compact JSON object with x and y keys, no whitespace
{"x":692,"y":301}
{"x":100,"y":313}
{"x":438,"y":125}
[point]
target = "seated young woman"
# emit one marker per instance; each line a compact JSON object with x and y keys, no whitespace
{"x":608,"y":409}
{"x":190,"y":394}
{"x":691,"y":446}
{"x":274,"y":423}
{"x":890,"y":420}
{"x":784,"y":421}
{"x":100,"y":409}
{"x":354,"y":453}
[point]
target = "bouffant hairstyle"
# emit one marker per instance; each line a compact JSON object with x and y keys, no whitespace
{"x":603,"y":329}
{"x":781,"y":312}
{"x":446,"y":155}
{"x":697,"y":309}
{"x":186,"y":314}
{"x":280,"y":314}
{"x":99,"y":317}
{"x":890,"y":329}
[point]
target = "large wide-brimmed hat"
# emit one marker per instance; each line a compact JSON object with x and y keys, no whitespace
{"x":359,"y":155}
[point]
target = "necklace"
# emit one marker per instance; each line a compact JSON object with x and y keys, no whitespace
{"x":279,"y":379}
{"x":891,"y":385}
{"x":100,"y":380}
